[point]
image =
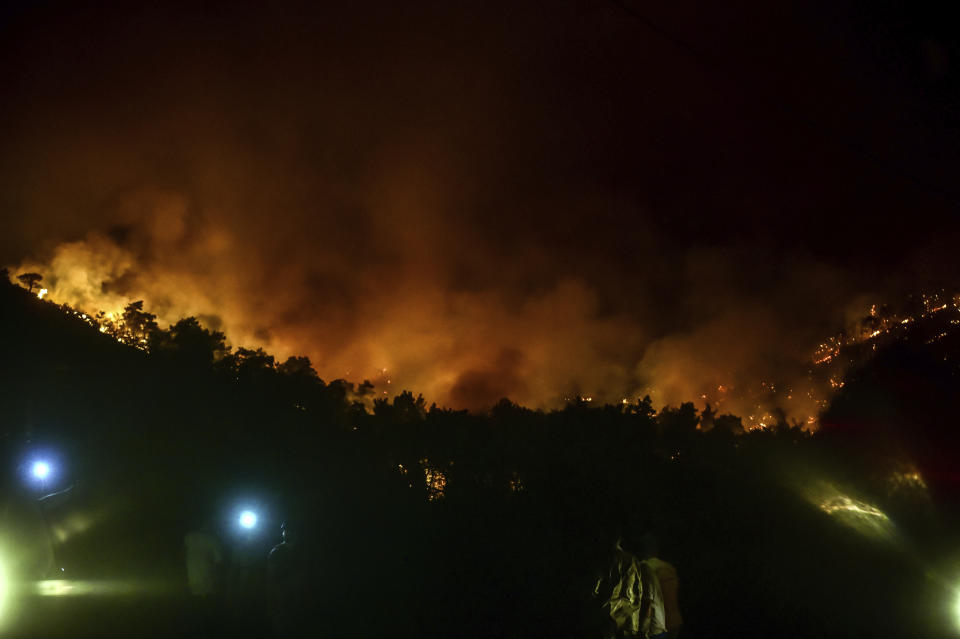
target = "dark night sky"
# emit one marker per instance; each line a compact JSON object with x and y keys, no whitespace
{"x":524,"y":199}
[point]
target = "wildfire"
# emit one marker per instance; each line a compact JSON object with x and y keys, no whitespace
{"x":762,"y":403}
{"x":436,"y":480}
{"x":885,"y":322}
{"x":879,"y":325}
{"x":907,"y":479}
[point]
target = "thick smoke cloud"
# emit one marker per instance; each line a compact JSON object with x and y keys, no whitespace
{"x":458,"y":203}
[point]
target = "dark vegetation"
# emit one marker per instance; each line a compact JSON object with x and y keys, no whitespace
{"x":156,"y":440}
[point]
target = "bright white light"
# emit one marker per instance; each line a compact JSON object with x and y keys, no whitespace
{"x":956,"y":609}
{"x":3,"y":591}
{"x":41,"y":469}
{"x":248,"y":519}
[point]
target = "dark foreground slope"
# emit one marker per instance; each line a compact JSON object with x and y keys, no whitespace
{"x":417,"y":521}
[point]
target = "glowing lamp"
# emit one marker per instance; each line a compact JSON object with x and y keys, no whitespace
{"x":956,"y":608}
{"x":248,"y":519}
{"x":3,"y":590}
{"x":41,"y":470}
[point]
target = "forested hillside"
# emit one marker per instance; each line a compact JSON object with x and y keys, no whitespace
{"x":433,"y":522}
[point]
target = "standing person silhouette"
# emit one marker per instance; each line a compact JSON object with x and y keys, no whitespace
{"x":286,"y":575}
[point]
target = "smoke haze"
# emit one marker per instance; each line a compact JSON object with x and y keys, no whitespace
{"x":470,"y":202}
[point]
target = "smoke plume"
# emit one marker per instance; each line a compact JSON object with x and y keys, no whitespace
{"x":440,"y":199}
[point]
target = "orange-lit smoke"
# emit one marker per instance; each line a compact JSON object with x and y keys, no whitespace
{"x":429,"y":197}
{"x":400,"y":322}
{"x":399,"y":317}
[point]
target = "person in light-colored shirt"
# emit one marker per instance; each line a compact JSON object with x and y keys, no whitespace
{"x":654,"y":624}
{"x":668,"y":586}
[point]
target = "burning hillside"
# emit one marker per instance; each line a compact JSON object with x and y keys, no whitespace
{"x":761,"y":403}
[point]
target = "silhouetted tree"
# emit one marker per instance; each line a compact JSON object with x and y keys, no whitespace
{"x":678,"y":420}
{"x":643,"y":408}
{"x":138,"y":325}
{"x":364,"y":388}
{"x":253,"y":363}
{"x":506,"y":411}
{"x":30,"y":280}
{"x":191,"y":344}
{"x":728,"y":424}
{"x":707,"y":418}
{"x":299,"y":367}
{"x":408,"y":408}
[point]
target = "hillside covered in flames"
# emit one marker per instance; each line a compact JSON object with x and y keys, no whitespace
{"x":797,"y":400}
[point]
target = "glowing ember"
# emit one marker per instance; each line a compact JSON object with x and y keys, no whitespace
{"x":436,"y":480}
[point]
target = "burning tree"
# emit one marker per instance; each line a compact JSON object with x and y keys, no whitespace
{"x":138,"y":325}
